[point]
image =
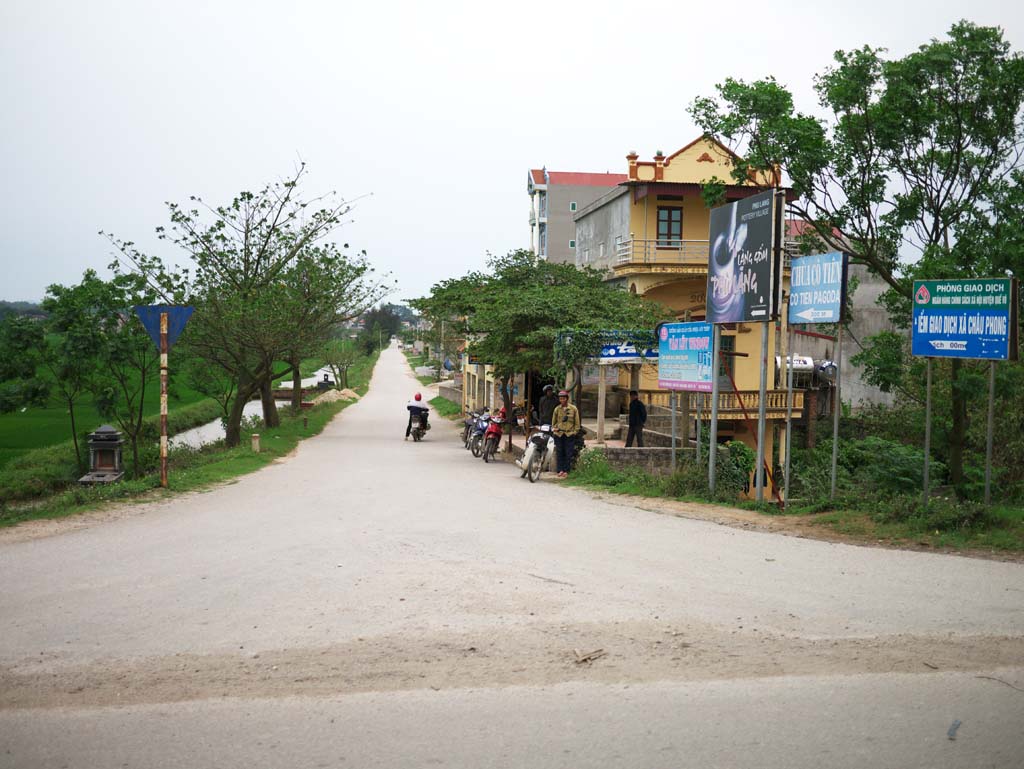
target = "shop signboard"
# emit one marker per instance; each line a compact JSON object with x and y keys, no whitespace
{"x":742,"y":261}
{"x":817,"y":288}
{"x":684,"y":356}
{"x":973,"y":318}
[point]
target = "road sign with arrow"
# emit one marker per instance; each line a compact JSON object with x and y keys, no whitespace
{"x":817,"y":288}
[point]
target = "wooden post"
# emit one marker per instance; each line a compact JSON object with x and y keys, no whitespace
{"x":602,"y":395}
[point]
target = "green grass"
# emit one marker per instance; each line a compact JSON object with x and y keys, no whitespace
{"x":189,"y":469}
{"x":35,"y":428}
{"x":446,"y":408}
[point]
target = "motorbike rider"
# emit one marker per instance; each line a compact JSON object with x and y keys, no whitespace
{"x":417,"y":410}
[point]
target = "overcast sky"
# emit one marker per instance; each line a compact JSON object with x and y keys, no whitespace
{"x":434,"y":111}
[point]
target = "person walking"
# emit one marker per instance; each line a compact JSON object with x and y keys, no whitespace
{"x":547,"y":405}
{"x":637,"y":420}
{"x":565,"y":424}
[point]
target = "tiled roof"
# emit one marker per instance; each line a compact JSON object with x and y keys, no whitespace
{"x":579,"y":179}
{"x":537,"y":174}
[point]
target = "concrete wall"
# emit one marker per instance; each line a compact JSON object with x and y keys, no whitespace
{"x":604,"y":224}
{"x":654,"y":460}
{"x":561,"y":227}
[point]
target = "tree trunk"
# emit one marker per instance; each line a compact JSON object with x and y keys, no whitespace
{"x":270,"y":416}
{"x":74,"y":434}
{"x":957,"y":436}
{"x":233,"y":426}
{"x":296,"y":385}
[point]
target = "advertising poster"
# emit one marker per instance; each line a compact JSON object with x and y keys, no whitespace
{"x":817,"y":288}
{"x":741,"y":262}
{"x":684,"y":356}
{"x":973,"y":318}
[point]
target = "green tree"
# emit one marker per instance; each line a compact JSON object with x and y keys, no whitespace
{"x":514,"y":313}
{"x":914,"y":173}
{"x":22,"y":342}
{"x":251,"y":261}
{"x":73,"y":342}
{"x":127,"y":360}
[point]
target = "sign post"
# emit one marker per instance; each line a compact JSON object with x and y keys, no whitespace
{"x":684,"y":365}
{"x":973,"y":318}
{"x":164,"y":324}
{"x":743,"y":283}
{"x":817,"y":294}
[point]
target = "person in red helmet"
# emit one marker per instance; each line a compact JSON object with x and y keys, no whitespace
{"x":418,"y":409}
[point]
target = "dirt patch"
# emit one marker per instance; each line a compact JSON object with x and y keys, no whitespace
{"x":538,"y":655}
{"x":804,"y":526}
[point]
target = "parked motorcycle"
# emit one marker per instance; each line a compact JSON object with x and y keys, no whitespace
{"x":476,"y":440}
{"x":468,"y":424}
{"x":492,"y":437}
{"x":538,"y":452}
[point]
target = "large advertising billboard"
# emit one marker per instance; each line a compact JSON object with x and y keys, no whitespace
{"x":741,"y":263}
{"x":684,"y":356}
{"x":974,"y":318}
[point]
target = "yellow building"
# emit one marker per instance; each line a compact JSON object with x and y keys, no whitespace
{"x":651,"y":236}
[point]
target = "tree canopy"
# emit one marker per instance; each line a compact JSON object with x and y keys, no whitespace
{"x":266,"y":284}
{"x":914,"y":171}
{"x":512,"y":314}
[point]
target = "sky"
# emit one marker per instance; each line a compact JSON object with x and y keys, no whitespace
{"x":429,"y":115}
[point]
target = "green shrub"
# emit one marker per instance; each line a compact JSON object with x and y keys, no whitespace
{"x":940,"y":515}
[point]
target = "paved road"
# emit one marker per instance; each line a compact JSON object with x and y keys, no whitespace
{"x":374,"y":602}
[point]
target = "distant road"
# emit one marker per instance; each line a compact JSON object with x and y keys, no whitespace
{"x":372,"y":602}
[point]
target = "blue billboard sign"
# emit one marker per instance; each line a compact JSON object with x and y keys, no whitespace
{"x":975,"y":318}
{"x":684,"y":356}
{"x":817,"y":288}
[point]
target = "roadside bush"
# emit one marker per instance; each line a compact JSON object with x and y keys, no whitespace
{"x":941,"y":514}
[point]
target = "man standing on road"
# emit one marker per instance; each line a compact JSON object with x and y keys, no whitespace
{"x":565,"y":423}
{"x":547,"y":405}
{"x":637,"y":420}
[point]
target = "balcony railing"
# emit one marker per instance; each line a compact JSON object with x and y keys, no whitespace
{"x":661,"y":252}
{"x":732,"y":405}
{"x":677,"y":252}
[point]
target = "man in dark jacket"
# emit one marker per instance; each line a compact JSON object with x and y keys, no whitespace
{"x":637,"y":419}
{"x":547,"y":404}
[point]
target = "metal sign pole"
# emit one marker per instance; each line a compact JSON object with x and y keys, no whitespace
{"x":761,"y":411}
{"x":789,"y":408}
{"x":836,"y":408}
{"x":927,"y":424}
{"x":673,"y":398}
{"x":163,"y":399}
{"x":988,"y":436}
{"x":713,"y":436}
{"x":700,"y":418}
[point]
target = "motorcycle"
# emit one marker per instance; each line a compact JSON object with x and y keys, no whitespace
{"x":468,"y":424}
{"x":420,"y":425}
{"x":476,"y":440}
{"x":492,"y":438}
{"x":538,"y":452}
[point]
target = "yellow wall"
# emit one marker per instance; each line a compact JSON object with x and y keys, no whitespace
{"x":643,"y":217}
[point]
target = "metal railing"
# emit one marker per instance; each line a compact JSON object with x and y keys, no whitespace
{"x":661,"y":251}
{"x":731,"y":405}
{"x":693,"y":252}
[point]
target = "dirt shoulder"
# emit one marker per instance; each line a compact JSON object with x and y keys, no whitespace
{"x":804,"y":526}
